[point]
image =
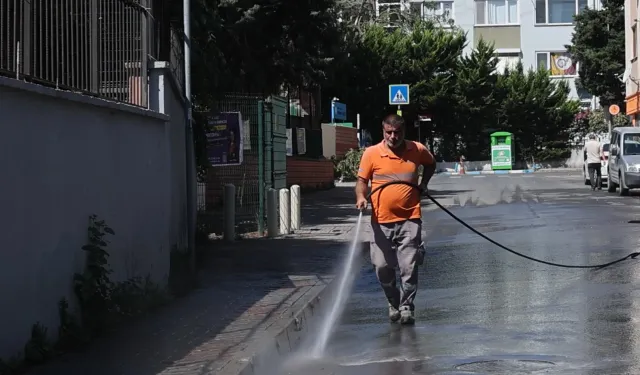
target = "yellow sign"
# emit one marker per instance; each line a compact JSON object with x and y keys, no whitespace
{"x":399,"y":112}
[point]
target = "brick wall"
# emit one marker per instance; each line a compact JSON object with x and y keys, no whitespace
{"x":346,"y":139}
{"x":310,"y":174}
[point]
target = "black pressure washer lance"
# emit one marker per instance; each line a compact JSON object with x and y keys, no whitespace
{"x":415,"y":186}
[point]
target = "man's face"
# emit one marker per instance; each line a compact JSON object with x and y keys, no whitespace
{"x":393,"y":135}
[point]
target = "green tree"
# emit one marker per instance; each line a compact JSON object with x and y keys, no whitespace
{"x":476,"y":100}
{"x":537,"y":110}
{"x":598,"y":46}
{"x":423,"y":58}
{"x":262,"y":46}
{"x":259,"y":46}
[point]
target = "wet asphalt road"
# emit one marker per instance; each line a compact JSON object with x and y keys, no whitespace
{"x":482,"y":310}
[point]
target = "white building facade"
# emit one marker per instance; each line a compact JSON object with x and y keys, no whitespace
{"x":534,"y":31}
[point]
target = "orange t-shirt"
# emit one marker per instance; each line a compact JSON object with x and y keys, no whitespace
{"x":379,"y":165}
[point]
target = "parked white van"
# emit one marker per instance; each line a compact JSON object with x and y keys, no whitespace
{"x":624,"y":160}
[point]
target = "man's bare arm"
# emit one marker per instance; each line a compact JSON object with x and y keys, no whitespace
{"x":427,"y":172}
{"x":362,"y":188}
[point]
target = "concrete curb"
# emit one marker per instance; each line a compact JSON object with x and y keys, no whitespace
{"x":282,"y":337}
{"x":518,"y":171}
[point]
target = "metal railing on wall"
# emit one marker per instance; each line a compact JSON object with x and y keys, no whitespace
{"x":95,"y":47}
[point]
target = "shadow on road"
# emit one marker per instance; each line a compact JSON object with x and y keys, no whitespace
{"x":337,"y":206}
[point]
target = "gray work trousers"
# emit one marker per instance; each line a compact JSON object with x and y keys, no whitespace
{"x":397,"y":245}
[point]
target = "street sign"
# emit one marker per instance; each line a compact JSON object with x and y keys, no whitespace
{"x":501,"y":155}
{"x":614,"y":109}
{"x":338,"y":111}
{"x":399,"y":94}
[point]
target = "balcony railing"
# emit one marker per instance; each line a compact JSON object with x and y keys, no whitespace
{"x":95,"y":47}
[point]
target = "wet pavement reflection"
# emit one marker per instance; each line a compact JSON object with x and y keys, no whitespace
{"x":482,"y":310}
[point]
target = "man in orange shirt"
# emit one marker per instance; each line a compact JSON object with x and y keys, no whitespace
{"x":396,"y":217}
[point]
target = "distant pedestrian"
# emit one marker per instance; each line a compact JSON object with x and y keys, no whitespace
{"x":594,"y":152}
{"x":396,"y":217}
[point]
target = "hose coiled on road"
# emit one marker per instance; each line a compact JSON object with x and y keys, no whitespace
{"x":415,"y":186}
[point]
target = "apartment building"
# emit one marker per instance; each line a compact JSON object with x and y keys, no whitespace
{"x":534,"y":31}
{"x":632,"y":70}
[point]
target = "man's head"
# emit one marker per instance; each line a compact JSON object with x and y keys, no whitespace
{"x":592,"y":137}
{"x":393,"y":131}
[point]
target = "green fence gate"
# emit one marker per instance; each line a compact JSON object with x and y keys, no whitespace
{"x":279,"y":142}
{"x":275,"y":143}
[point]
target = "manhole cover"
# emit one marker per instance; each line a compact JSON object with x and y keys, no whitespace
{"x":506,"y":366}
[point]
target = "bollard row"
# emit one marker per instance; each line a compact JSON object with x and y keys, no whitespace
{"x":283,"y":211}
{"x":284,"y":214}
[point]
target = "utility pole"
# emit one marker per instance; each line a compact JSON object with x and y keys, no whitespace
{"x":189,"y":149}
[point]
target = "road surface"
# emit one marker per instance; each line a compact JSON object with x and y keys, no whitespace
{"x":482,"y":310}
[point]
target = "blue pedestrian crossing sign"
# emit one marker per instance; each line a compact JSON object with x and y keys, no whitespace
{"x":398,"y":94}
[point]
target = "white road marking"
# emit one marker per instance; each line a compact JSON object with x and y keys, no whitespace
{"x":479,"y":176}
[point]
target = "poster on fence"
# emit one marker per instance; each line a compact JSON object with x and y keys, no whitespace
{"x":225,"y":139}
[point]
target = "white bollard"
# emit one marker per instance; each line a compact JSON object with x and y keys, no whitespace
{"x":295,"y":208}
{"x":229,"y":199}
{"x":272,"y":213}
{"x":285,"y":212}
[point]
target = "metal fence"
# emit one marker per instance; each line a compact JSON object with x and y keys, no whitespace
{"x":96,"y":47}
{"x":244,"y":176}
{"x":303,"y":108}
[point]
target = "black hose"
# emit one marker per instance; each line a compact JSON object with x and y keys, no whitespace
{"x":399,"y":182}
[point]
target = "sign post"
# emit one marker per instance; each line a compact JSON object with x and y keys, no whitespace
{"x":399,"y":95}
{"x":614,"y":109}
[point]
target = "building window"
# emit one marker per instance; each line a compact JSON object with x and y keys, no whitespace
{"x":634,"y":49}
{"x":433,"y":9}
{"x":389,"y":11}
{"x":559,"y":63}
{"x":496,"y":12}
{"x":558,"y":11}
{"x":507,"y":61}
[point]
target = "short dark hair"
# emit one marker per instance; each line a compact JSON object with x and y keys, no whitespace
{"x":393,"y":120}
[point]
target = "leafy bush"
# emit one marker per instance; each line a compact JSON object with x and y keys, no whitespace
{"x":347,"y":167}
{"x":588,"y":121}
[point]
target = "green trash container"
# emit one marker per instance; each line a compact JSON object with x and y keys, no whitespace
{"x":502,"y":151}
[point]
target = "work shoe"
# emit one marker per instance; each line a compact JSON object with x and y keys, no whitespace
{"x":407,"y":317}
{"x":394,"y":314}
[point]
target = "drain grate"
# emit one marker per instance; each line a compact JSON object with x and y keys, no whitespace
{"x":511,"y":367}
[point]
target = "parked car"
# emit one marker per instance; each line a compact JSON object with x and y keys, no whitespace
{"x":624,"y":161}
{"x":604,"y":169}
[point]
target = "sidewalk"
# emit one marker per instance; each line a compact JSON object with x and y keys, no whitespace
{"x":250,"y":292}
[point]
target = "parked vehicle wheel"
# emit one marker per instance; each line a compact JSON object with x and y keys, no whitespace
{"x":623,"y":190}
{"x":611,"y":187}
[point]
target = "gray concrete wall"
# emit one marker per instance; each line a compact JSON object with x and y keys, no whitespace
{"x":65,"y":157}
